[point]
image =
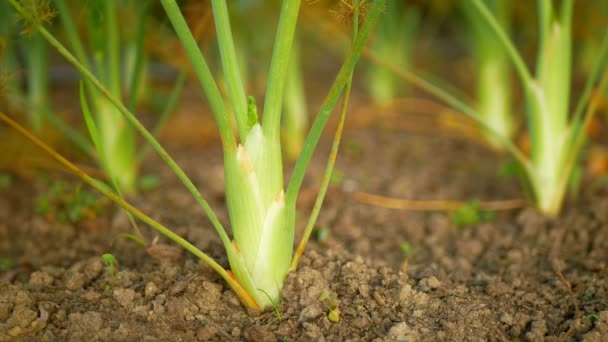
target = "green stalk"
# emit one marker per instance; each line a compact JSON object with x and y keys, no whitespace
{"x":278,"y":70}
{"x":116,"y":134}
{"x":69,"y":28}
{"x":203,"y":73}
{"x":395,"y":38}
{"x":112,"y":47}
{"x":136,"y":65}
{"x":331,"y":160}
{"x":493,"y":72}
{"x":549,"y":135}
{"x":295,"y":121}
{"x":329,"y":103}
{"x":230,"y":65}
{"x":38,"y":81}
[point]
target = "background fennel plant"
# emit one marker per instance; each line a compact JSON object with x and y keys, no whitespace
{"x":556,"y":136}
{"x":556,"y":131}
{"x":395,"y":41}
{"x":492,"y":69}
{"x":262,"y":213}
{"x":113,"y":137}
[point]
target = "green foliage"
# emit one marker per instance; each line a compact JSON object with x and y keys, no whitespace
{"x":109,"y":262}
{"x":6,"y":181}
{"x":252,"y":112}
{"x":60,"y":202}
{"x":470,"y":214}
{"x":407,"y":249}
{"x":322,"y":233}
{"x":6,"y":264}
{"x":148,"y":182}
{"x":337,"y":177}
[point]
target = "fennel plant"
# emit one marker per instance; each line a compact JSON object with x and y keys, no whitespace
{"x":556,"y":130}
{"x":261,"y":209}
{"x":556,"y":136}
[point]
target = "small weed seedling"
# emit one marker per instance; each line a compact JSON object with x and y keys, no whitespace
{"x":407,"y":249}
{"x":6,"y":264}
{"x":471,"y":214}
{"x":148,"y":182}
{"x":331,"y":302}
{"x":109,"y":262}
{"x":336,"y":178}
{"x":408,"y":252}
{"x":322,"y":234}
{"x":5,"y":180}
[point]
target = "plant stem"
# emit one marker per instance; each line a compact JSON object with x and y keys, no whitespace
{"x":202,"y":72}
{"x":278,"y":70}
{"x":38,"y":81}
{"x":520,"y":66}
{"x":331,"y":160}
{"x":112,"y":47}
{"x":137,"y":71}
{"x":230,"y":66}
{"x":329,"y":103}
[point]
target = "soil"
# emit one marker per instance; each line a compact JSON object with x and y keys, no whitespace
{"x":520,"y":276}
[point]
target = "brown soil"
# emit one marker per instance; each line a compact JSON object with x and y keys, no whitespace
{"x":519,"y":277}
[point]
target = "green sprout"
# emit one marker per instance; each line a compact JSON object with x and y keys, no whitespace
{"x":322,"y":234}
{"x":593,"y":316}
{"x":407,"y":249}
{"x":332,"y":306}
{"x":109,"y":262}
{"x":262,"y":212}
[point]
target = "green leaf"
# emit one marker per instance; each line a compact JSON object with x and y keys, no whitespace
{"x":407,"y":249}
{"x":148,"y":182}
